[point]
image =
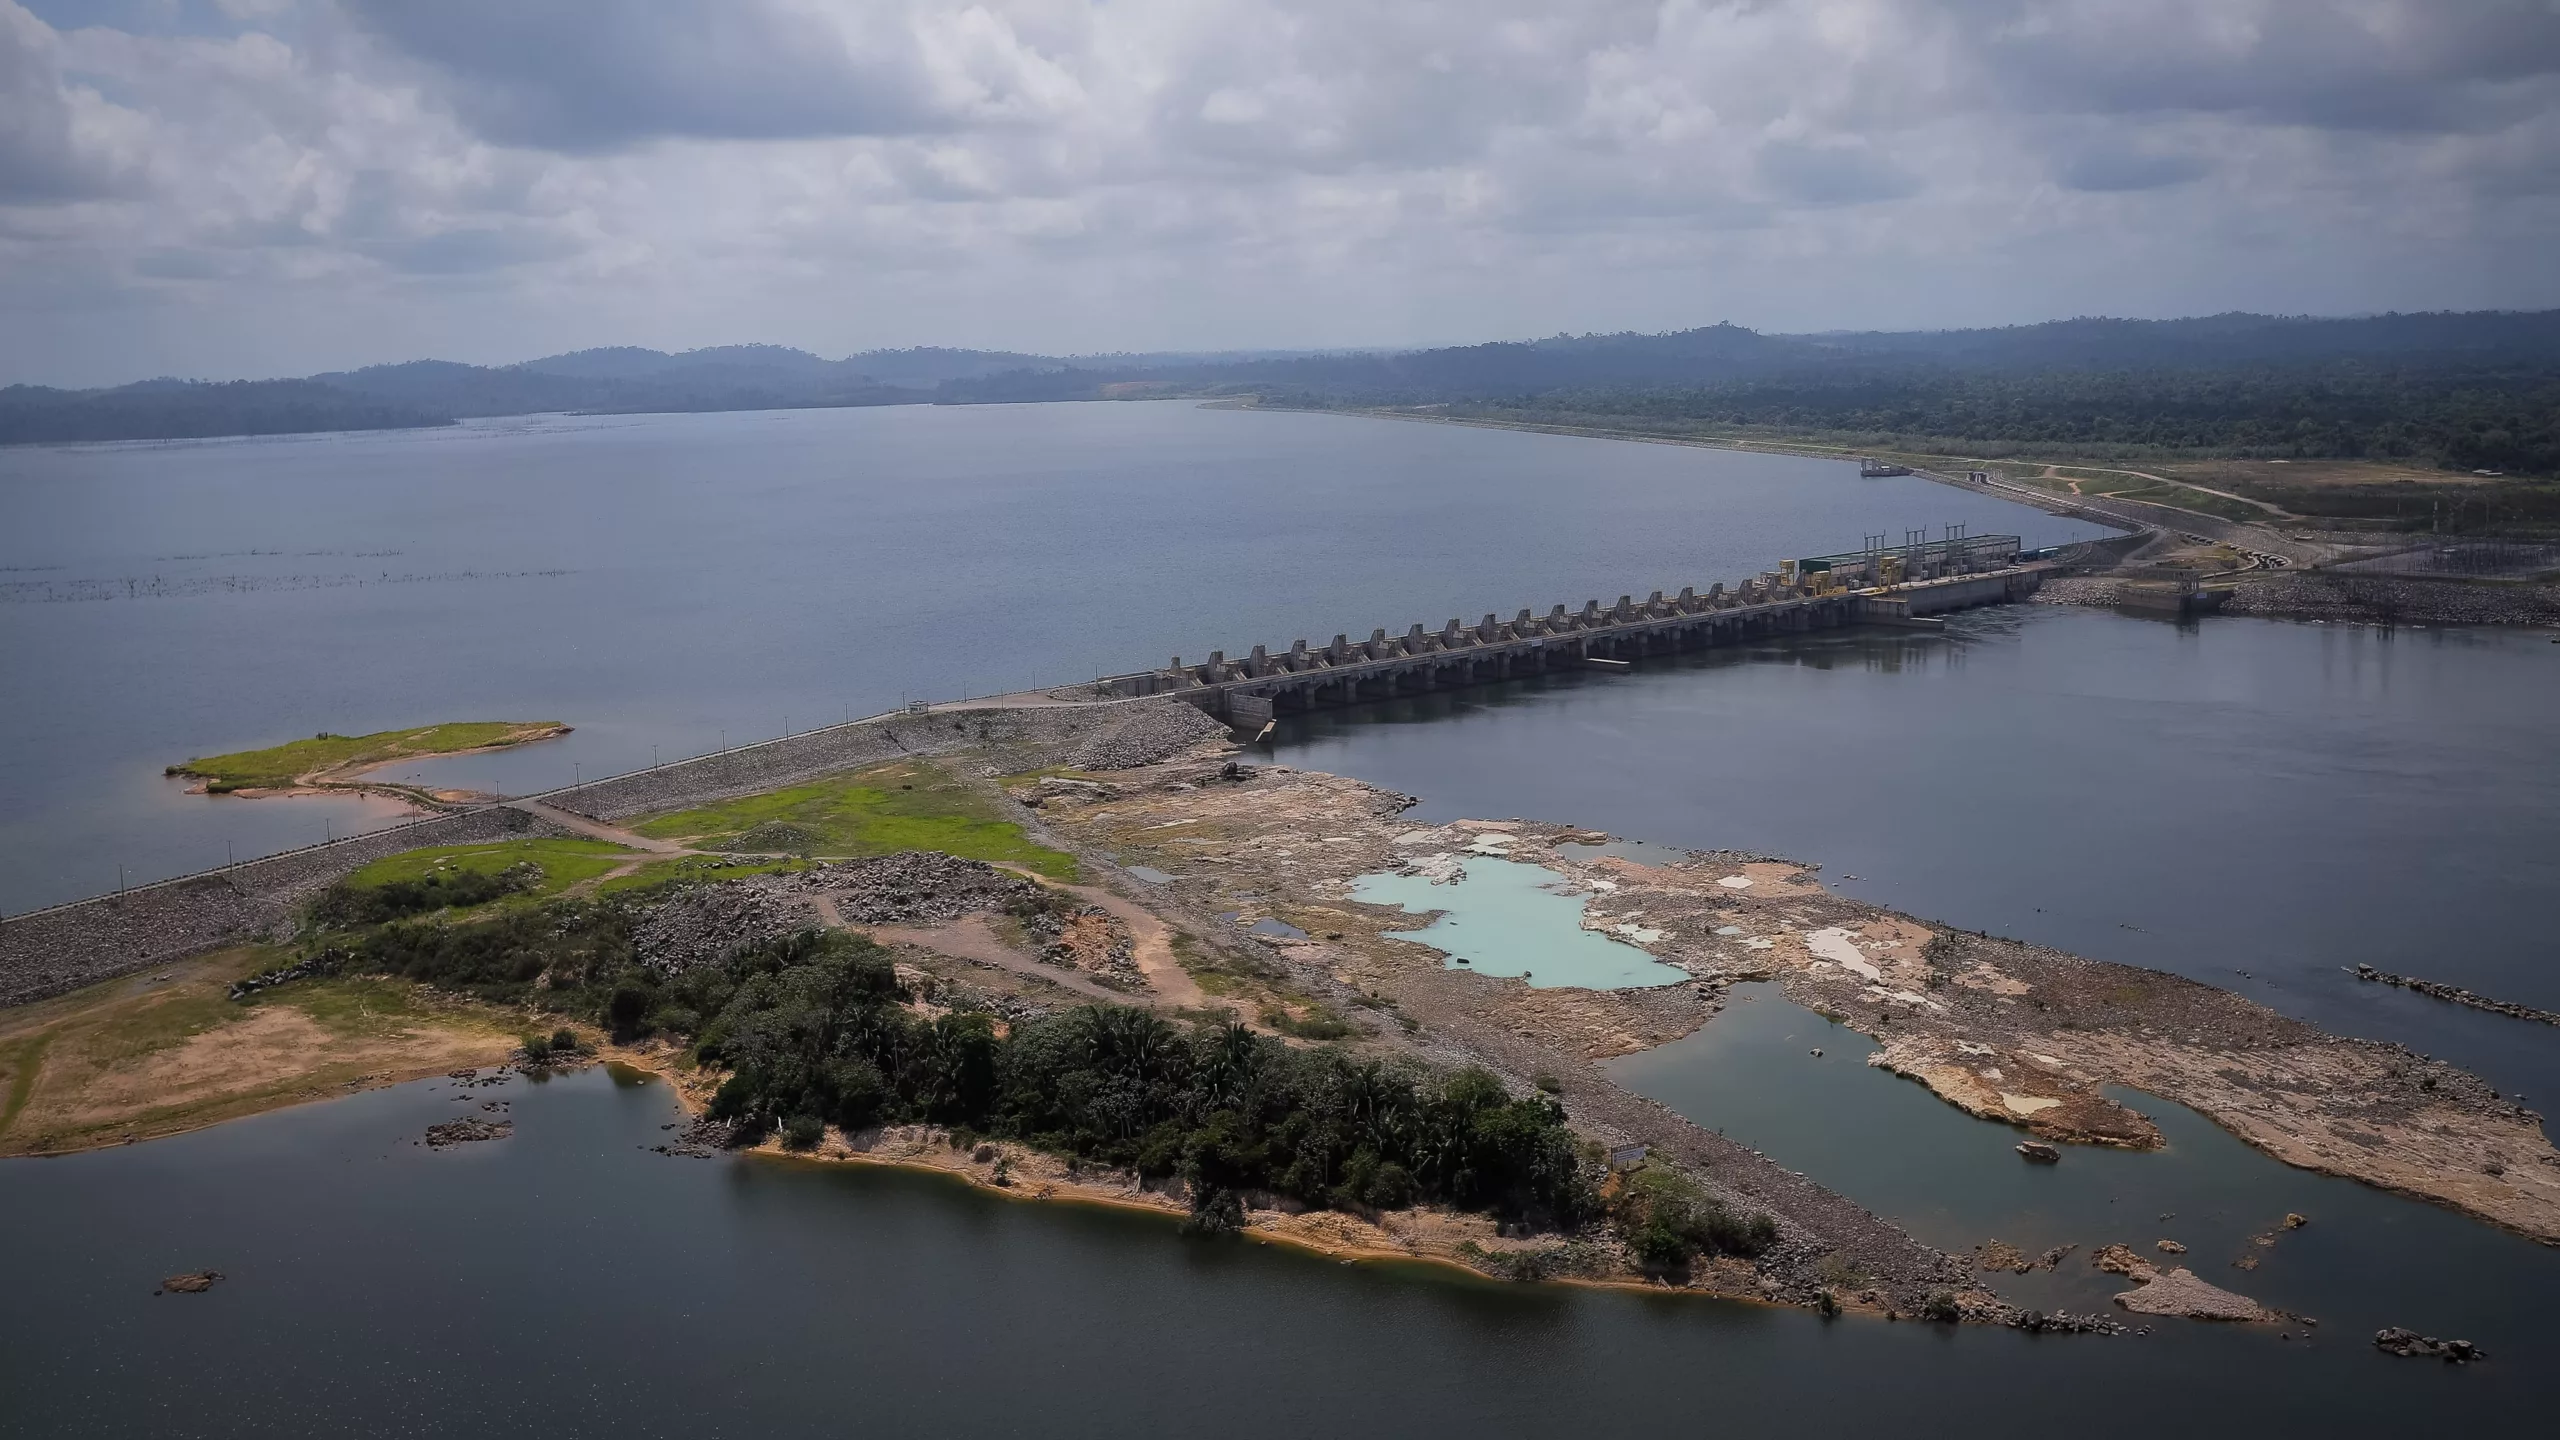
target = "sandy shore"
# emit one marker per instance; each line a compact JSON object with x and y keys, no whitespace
{"x":1421,"y":1236}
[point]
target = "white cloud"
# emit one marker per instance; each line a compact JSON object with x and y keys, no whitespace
{"x":283,"y":186}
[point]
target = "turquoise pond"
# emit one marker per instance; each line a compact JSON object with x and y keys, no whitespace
{"x":1506,"y":918}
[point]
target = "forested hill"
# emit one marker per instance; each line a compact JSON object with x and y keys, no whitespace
{"x":2465,"y":391}
{"x":2477,"y":390}
{"x":1726,"y":355}
{"x":438,"y":392}
{"x":177,"y":410}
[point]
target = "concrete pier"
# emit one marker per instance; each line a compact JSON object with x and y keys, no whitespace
{"x":1263,"y":683}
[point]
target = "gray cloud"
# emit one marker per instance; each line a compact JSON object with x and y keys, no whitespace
{"x":610,"y":73}
{"x":303,"y":184}
{"x":2115,"y":169}
{"x":2415,"y":65}
{"x":470,"y":250}
{"x":49,"y":148}
{"x":1833,"y":174}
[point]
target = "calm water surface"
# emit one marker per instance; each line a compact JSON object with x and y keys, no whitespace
{"x":2255,"y":804}
{"x":569,"y":1282}
{"x":2260,"y":805}
{"x":665,"y":583}
{"x":1511,"y":919}
{"x":2366,"y":1260}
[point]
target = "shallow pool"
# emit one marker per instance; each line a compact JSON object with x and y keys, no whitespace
{"x":1507,"y":918}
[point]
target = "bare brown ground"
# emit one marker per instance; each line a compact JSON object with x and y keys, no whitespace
{"x":1151,"y":942}
{"x":2007,"y":1031}
{"x":2310,"y":474}
{"x":972,"y":939}
{"x":146,"y":1056}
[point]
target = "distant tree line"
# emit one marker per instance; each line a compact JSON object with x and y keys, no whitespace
{"x":2464,"y":391}
{"x":2505,"y":418}
{"x":171,"y":410}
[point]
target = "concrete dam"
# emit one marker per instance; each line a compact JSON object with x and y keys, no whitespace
{"x":1899,"y":586}
{"x":1108,"y":723}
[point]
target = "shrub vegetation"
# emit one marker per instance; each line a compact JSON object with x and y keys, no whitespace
{"x":812,"y":1030}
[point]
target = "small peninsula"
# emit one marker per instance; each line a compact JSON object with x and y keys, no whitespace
{"x":338,"y":762}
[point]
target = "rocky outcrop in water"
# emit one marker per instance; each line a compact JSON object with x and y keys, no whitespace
{"x":469,"y":1129}
{"x":2409,"y":1344}
{"x":2456,"y":995}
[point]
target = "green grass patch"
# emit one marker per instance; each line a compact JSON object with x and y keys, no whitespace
{"x":905,"y":806}
{"x":157,"y":1026}
{"x":1316,"y":1021}
{"x":363,"y":1006}
{"x":26,"y":1061}
{"x":564,"y":862}
{"x":279,"y":766}
{"x":693,"y":867}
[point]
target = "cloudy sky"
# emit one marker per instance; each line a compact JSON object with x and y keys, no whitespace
{"x":258,"y":187}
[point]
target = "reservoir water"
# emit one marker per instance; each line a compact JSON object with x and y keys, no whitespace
{"x":2257,"y":804}
{"x":669,"y":583}
{"x":2261,"y":805}
{"x":569,"y":1282}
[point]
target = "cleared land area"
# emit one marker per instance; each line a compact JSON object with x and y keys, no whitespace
{"x":563,"y":863}
{"x":164,"y":1052}
{"x":905,"y":806}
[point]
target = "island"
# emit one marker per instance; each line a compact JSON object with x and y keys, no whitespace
{"x":327,"y":762}
{"x":1069,"y":949}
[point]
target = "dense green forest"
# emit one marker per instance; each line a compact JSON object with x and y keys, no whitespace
{"x":812,"y":1030}
{"x":2502,"y":418}
{"x":2461,"y":392}
{"x":177,"y":410}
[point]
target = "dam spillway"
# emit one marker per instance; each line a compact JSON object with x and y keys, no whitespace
{"x":1828,"y":592}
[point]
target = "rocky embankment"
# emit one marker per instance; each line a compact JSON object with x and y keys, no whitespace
{"x":915,"y":887}
{"x":1004,"y":739}
{"x":2394,"y":600}
{"x":53,"y":951}
{"x":49,"y":952}
{"x":2357,"y":599}
{"x":2457,"y":995}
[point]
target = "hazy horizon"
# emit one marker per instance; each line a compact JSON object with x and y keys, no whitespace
{"x":1090,"y":355}
{"x":240,"y":188}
